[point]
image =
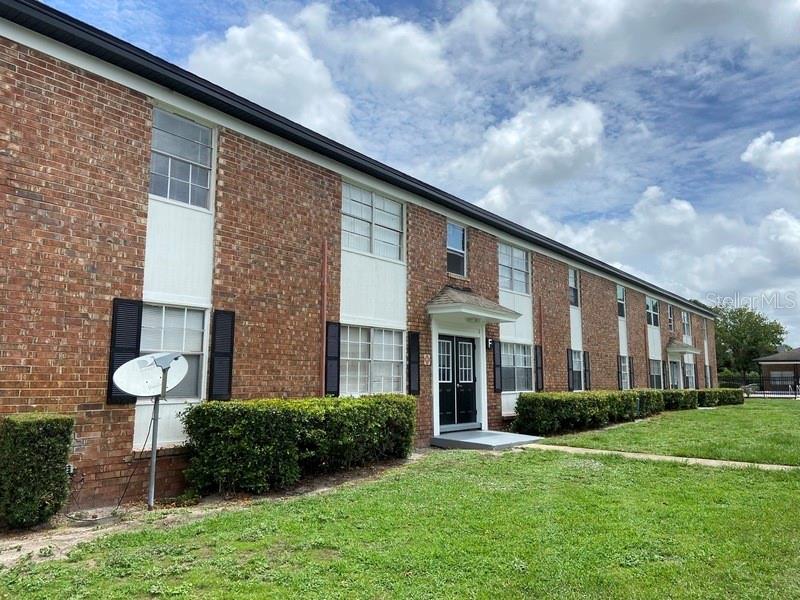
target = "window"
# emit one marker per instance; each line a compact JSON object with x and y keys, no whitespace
{"x":371,"y":223}
{"x":517,"y":367}
{"x":180,"y":163}
{"x":574,"y":281}
{"x":688,"y":375}
{"x":514,"y":275}
{"x":577,"y":370}
{"x":371,"y":361}
{"x":670,"y":318}
{"x":445,"y":361}
{"x":651,"y":305}
{"x":621,"y":301}
{"x":656,"y":376}
{"x":674,"y":374}
{"x":456,"y":250}
{"x":624,"y":372}
{"x":687,"y":323}
{"x":176,"y":329}
{"x":465,"y":362}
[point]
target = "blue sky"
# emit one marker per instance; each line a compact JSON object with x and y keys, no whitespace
{"x":662,"y":136}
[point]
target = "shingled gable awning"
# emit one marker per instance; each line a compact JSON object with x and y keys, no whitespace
{"x":456,"y":302}
{"x":678,"y":347}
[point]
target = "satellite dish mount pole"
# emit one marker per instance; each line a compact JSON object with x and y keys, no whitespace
{"x":164,"y":363}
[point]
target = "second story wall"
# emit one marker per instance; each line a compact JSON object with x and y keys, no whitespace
{"x":600,"y":329}
{"x":552,"y":318}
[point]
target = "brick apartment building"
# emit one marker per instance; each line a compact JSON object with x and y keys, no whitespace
{"x":146,"y":209}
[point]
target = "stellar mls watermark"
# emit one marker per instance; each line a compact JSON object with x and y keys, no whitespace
{"x":771,"y":300}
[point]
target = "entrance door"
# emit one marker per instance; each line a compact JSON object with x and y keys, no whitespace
{"x":457,"y":402}
{"x":675,"y":374}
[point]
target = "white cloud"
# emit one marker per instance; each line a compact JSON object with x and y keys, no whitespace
{"x":623,"y":31}
{"x":778,"y":159}
{"x":541,"y":144}
{"x":269,"y":63}
{"x":478,"y":24}
{"x":387,"y":51}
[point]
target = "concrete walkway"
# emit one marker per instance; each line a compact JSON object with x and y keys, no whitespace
{"x":704,"y":462}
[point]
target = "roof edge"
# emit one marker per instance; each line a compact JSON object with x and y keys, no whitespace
{"x":63,"y":28}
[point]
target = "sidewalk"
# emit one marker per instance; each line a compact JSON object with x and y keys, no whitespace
{"x":704,"y":462}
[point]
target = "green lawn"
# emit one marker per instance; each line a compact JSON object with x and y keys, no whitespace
{"x":766,"y":431}
{"x":467,"y":525}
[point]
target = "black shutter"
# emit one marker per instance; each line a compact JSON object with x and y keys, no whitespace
{"x":619,"y":370}
{"x":497,"y":351}
{"x":221,"y":360}
{"x":413,"y":363}
{"x":332,"y":359}
{"x":630,"y":372}
{"x":696,"y":378}
{"x":126,"y":332}
{"x":664,"y":375}
{"x":587,"y":372}
{"x":537,"y":350}
{"x":570,"y":385}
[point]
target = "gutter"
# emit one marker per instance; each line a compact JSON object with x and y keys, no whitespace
{"x":59,"y":26}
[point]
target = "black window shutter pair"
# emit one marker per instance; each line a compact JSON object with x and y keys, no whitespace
{"x":587,"y":371}
{"x":570,"y":383}
{"x":497,"y":352}
{"x":539,"y":368}
{"x":126,"y":330}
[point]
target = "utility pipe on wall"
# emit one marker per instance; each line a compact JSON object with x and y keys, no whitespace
{"x":324,"y":318}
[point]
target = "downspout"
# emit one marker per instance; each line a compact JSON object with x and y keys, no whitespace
{"x":324,"y":318}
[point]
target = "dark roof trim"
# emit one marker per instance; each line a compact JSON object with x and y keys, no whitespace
{"x":59,"y":26}
{"x":787,"y":356}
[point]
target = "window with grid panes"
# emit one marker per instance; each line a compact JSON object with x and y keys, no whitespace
{"x":371,"y":360}
{"x":371,"y":223}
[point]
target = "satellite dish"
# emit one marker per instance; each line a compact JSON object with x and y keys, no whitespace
{"x":142,"y":376}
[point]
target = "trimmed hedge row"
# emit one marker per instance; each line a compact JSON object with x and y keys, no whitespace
{"x":719,"y":396}
{"x":548,"y":413}
{"x":258,"y":445}
{"x":34,"y":451}
{"x":545,"y":413}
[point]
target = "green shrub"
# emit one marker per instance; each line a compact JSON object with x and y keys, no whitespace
{"x":651,"y":402}
{"x":679,"y":399}
{"x":258,"y":445}
{"x":34,"y":450}
{"x":546,"y":413}
{"x":719,"y":396}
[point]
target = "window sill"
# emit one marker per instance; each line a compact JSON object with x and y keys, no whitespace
{"x":200,"y":209}
{"x":516,"y":293}
{"x":458,"y":277}
{"x":375,"y":256}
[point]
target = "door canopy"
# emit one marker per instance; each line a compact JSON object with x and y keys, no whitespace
{"x":455,"y":302}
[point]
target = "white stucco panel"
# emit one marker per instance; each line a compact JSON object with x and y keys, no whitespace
{"x":654,"y":342}
{"x":373,"y":291}
{"x":521,"y":330}
{"x":623,"y":336}
{"x":575,"y":328}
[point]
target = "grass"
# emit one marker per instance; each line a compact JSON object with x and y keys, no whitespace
{"x":764,"y":431}
{"x":463,"y":524}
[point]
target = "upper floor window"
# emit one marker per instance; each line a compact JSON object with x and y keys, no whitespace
{"x":456,"y":249}
{"x":687,"y":323}
{"x":651,"y":305}
{"x":371,"y":223}
{"x":574,"y":282}
{"x":514,"y":275}
{"x":670,"y":317}
{"x":180,"y":163}
{"x":620,"y":301}
{"x":176,"y":329}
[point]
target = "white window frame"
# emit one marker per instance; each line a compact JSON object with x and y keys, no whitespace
{"x":518,"y":353}
{"x":526,"y":272}
{"x":622,"y":302}
{"x":203,"y":353}
{"x":457,"y":251}
{"x":651,"y":308}
{"x":345,"y":362}
{"x":688,"y":376}
{"x":670,"y":317}
{"x":574,"y":283}
{"x":577,"y":366}
{"x":211,"y":167}
{"x":686,"y":320}
{"x":373,"y":224}
{"x":625,"y":372}
{"x":660,"y":374}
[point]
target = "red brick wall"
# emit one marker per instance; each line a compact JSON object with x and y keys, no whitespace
{"x":712,"y":351}
{"x":636,"y":321}
{"x":550,"y":289}
{"x":699,"y":359}
{"x":427,"y":275}
{"x":274,"y":211}
{"x":600,"y":327}
{"x":75,"y":151}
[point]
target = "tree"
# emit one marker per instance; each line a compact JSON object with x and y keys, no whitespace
{"x":743,"y":335}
